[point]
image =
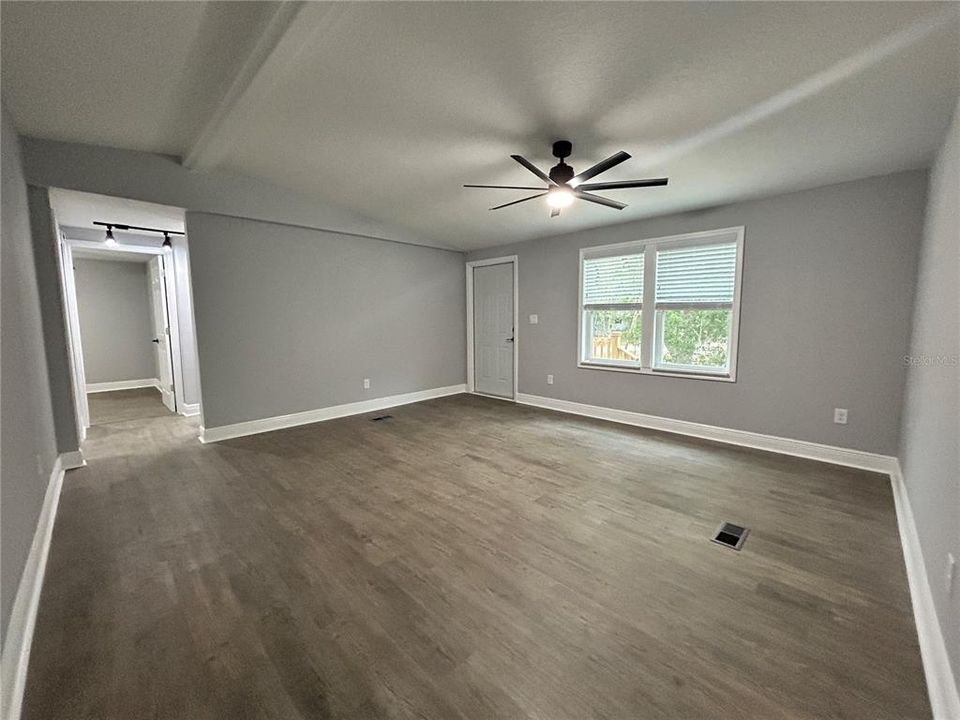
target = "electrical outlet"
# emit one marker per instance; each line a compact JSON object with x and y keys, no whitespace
{"x":549,"y":379}
{"x":366,"y":383}
{"x":951,"y":572}
{"x":534,"y":319}
{"x":840,"y":416}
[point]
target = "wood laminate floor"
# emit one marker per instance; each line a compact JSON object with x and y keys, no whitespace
{"x":468,"y":559}
{"x":123,"y":405}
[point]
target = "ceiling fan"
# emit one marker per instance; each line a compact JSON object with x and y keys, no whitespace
{"x":563,"y":187}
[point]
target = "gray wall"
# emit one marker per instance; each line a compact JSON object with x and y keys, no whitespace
{"x":827,"y":289}
{"x":291,"y":319}
{"x":27,"y":437}
{"x":161,"y":179}
{"x":930,"y":442}
{"x":47,"y":260}
{"x":113,"y":301}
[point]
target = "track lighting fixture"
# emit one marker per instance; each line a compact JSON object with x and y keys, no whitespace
{"x":111,"y":242}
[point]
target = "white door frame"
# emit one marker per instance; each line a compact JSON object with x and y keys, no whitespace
{"x":166,"y":330}
{"x":66,"y":247}
{"x":74,"y":343}
{"x":513,"y":259}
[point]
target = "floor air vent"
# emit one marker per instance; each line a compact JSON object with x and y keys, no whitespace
{"x":380,"y":418}
{"x":731,"y":536}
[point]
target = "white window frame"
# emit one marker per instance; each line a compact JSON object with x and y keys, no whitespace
{"x":649,"y":249}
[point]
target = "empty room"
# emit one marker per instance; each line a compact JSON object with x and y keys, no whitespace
{"x":480,"y":360}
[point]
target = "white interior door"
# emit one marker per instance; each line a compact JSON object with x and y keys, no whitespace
{"x":493,"y":329}
{"x":161,"y":331}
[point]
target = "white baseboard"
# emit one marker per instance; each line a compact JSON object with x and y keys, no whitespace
{"x":772,"y":443}
{"x":72,"y":460}
{"x":23,"y":614}
{"x":190,"y":409}
{"x":941,"y":686}
{"x":123,"y":385}
{"x":252,"y":427}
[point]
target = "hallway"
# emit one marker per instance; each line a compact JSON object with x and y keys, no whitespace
{"x":123,"y":405}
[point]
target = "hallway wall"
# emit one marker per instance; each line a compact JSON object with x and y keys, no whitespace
{"x":28,"y":447}
{"x":113,"y":299}
{"x":930,"y":436}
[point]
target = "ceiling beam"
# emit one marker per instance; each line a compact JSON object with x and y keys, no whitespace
{"x":293,"y":25}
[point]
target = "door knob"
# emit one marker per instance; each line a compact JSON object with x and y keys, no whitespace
{"x":509,"y":339}
{"x":156,"y":340}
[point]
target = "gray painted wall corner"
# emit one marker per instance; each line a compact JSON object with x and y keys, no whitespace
{"x":930,"y":439}
{"x":827,"y":289}
{"x":46,"y":255}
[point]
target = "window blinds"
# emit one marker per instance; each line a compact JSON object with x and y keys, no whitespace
{"x":696,"y":276}
{"x":613,"y":281}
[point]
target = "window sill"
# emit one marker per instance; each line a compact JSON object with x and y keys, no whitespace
{"x":636,"y":370}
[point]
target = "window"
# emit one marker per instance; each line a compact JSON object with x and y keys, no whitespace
{"x":691,"y":287}
{"x":612,"y":303}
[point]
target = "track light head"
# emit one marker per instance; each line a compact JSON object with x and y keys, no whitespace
{"x":166,"y":241}
{"x":110,"y":240}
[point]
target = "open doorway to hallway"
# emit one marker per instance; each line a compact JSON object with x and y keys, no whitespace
{"x":122,"y":318}
{"x":129,"y":311}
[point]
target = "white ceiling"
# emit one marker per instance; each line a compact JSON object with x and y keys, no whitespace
{"x":388,"y":108}
{"x":135,"y":75}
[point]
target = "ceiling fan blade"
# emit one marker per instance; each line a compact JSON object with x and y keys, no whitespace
{"x":506,"y":187}
{"x":534,"y":169}
{"x":590,"y":197}
{"x":623,"y":184}
{"x":600,"y":167}
{"x":555,"y":212}
{"x":530,"y":197}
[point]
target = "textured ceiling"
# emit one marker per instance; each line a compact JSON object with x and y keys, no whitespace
{"x":388,"y":108}
{"x":135,"y":75}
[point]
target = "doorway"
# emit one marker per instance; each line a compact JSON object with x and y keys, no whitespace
{"x":122,"y":346}
{"x":492,"y":327}
{"x":128,"y":308}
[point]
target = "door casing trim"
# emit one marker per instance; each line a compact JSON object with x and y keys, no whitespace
{"x":515,"y":260}
{"x":65,"y":248}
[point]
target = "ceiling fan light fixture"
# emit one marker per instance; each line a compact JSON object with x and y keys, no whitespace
{"x":559,"y":197}
{"x":563,"y":186}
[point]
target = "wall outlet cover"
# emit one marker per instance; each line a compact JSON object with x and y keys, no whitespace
{"x":534,"y":319}
{"x":366,"y":383}
{"x":549,"y":379}
{"x":840,"y":416}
